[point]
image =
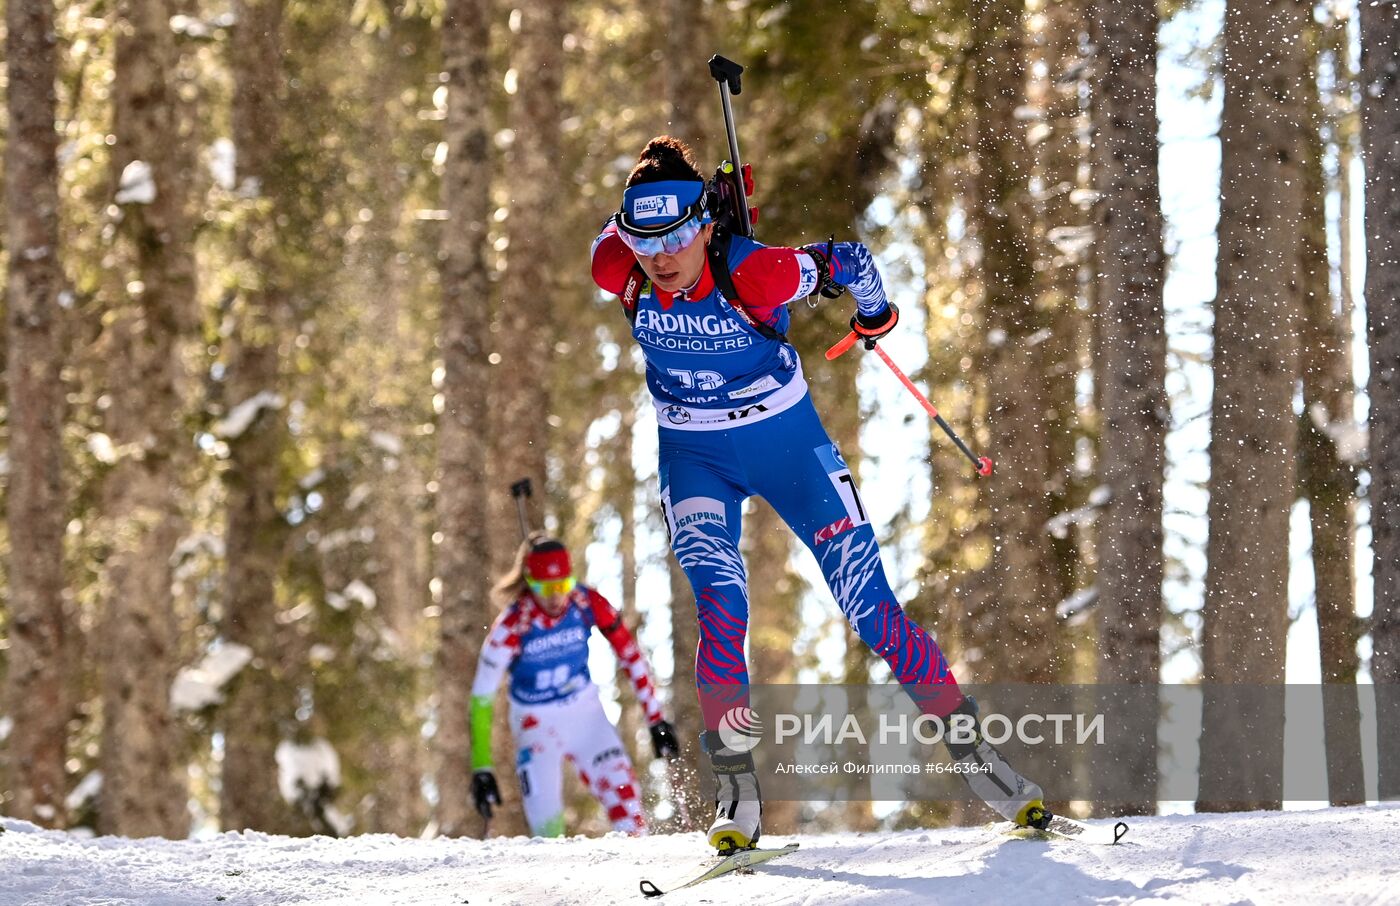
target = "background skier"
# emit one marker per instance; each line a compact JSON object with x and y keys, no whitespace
{"x":541,"y":640}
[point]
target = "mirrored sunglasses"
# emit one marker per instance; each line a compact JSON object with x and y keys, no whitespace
{"x":671,"y":243}
{"x":551,"y":587}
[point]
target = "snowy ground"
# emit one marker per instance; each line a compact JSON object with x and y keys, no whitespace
{"x":1332,"y":856}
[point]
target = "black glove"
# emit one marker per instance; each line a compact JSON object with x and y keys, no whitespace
{"x":872,"y":328}
{"x":485,"y":793}
{"x":663,"y":740}
{"x":821,"y":256}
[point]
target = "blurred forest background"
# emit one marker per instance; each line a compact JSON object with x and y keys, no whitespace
{"x":296,"y":289}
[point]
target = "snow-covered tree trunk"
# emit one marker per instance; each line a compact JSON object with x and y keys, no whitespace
{"x":1325,"y":478}
{"x":1253,"y":433}
{"x":1380,"y":93}
{"x":1010,"y":625}
{"x":1130,"y":365}
{"x":620,"y":492}
{"x":397,"y":756}
{"x":463,"y":562}
{"x":144,"y":791}
{"x":1063,"y":245}
{"x":1055,"y":122}
{"x":258,"y":701}
{"x":834,"y":387}
{"x":688,"y":86}
{"x":36,"y":681}
{"x":523,"y":332}
{"x":393,"y":671}
{"x":954,"y":530}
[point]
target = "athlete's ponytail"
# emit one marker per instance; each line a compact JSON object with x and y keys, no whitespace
{"x":665,"y":158}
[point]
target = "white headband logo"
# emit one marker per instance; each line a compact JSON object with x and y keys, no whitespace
{"x":656,"y":206}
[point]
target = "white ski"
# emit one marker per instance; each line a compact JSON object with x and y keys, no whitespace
{"x":1070,"y":829}
{"x":737,"y":862}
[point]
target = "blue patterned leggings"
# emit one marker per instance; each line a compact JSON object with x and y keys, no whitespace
{"x":789,"y":460}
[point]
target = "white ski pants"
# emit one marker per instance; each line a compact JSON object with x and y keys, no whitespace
{"x":574,"y":730}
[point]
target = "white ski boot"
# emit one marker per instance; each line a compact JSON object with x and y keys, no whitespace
{"x":738,"y":802}
{"x":987,"y":773}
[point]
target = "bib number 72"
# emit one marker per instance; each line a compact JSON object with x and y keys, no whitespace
{"x":696,"y":380}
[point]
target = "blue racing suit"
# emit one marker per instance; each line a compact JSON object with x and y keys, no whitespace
{"x":735,"y":419}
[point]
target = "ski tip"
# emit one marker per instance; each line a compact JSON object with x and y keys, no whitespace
{"x":650,"y":890}
{"x":1120,"y":830}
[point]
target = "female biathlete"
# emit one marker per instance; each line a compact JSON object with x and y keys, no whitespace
{"x":541,"y":639}
{"x":736,"y":420}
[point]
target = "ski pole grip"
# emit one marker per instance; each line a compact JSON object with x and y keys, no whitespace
{"x":845,"y":343}
{"x":726,"y":72}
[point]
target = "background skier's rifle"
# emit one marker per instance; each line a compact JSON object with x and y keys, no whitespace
{"x":522,"y":492}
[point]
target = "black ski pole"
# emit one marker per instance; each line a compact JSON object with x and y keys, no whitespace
{"x":727,"y":73}
{"x":522,"y":492}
